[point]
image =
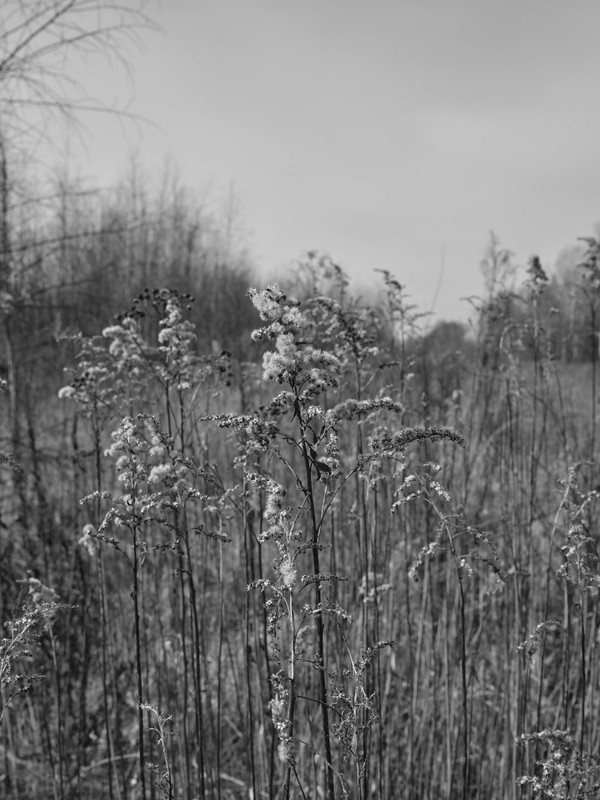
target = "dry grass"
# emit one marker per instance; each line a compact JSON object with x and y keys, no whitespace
{"x":413,"y":631}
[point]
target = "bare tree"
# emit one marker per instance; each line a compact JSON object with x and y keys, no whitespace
{"x":39,"y":40}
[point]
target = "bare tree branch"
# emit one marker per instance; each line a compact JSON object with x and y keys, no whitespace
{"x":38,"y":40}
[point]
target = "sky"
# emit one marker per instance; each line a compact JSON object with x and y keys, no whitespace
{"x":391,"y":134}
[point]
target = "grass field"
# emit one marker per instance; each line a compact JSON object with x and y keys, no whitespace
{"x":352,"y":565}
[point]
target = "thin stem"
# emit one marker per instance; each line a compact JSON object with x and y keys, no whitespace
{"x":319,"y":607}
{"x":138,"y":662}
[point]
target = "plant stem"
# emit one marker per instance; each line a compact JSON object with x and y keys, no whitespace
{"x":138,"y":662}
{"x":318,"y":610}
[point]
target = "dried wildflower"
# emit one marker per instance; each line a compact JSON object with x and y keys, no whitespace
{"x":295,"y":359}
{"x":88,"y":540}
{"x":388,"y":443}
{"x":39,"y":593}
{"x":426,"y":552}
{"x":288,"y":572}
{"x":534,"y":641}
{"x":351,"y":409}
{"x":281,"y":723}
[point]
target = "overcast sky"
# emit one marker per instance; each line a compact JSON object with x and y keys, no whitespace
{"x":393,"y":134}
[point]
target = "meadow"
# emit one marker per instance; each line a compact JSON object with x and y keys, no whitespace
{"x":295,"y":544}
{"x":279,"y":540}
